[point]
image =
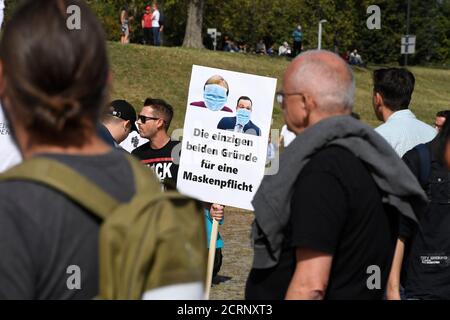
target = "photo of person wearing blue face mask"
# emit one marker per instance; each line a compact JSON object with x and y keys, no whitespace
{"x":215,"y":95}
{"x":241,"y":123}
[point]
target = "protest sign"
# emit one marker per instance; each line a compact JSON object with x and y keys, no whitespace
{"x":225,"y":137}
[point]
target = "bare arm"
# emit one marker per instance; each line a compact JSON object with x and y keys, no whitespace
{"x":393,"y":287}
{"x":311,"y":275}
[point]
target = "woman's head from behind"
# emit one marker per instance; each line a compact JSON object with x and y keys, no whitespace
{"x":54,"y":77}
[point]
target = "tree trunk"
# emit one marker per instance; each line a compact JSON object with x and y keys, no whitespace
{"x":193,"y":37}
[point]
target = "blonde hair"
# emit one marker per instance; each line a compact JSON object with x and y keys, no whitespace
{"x":219,"y":80}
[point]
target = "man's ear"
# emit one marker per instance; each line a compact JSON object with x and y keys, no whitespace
{"x":127,"y":125}
{"x":309,"y":104}
{"x":160,"y":124}
{"x":378,"y":100}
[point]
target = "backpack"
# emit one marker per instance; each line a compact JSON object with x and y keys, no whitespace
{"x":155,"y":240}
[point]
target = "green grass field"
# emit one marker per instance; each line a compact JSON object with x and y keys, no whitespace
{"x":140,"y":72}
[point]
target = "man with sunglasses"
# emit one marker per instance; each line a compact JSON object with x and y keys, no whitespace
{"x":153,"y":124}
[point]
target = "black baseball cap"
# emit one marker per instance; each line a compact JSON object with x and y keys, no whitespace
{"x":124,"y":110}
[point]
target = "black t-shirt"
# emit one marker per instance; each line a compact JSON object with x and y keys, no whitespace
{"x":161,"y":161}
{"x":336,"y":208}
{"x":43,"y":233}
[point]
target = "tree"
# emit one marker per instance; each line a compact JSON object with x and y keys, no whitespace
{"x":193,"y":35}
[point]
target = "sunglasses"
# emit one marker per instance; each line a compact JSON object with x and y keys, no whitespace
{"x":144,"y":119}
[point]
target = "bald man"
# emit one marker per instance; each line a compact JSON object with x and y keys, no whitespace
{"x":337,"y":238}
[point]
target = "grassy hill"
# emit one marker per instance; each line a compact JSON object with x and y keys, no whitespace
{"x":141,"y":71}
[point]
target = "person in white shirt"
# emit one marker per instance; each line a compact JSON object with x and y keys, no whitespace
{"x":155,"y":25}
{"x":355,"y":58}
{"x":284,"y":49}
{"x":286,"y":136}
{"x":392,"y":94}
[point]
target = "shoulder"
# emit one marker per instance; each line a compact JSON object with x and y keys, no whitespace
{"x":227,"y":120}
{"x":173,"y":143}
{"x":226,"y":109}
{"x":254,"y":125}
{"x":144,"y":147}
{"x":385,"y":127}
{"x":333,"y":160}
{"x":199,"y":104}
{"x":387,"y":130}
{"x":411,"y":158}
{"x":41,"y":203}
{"x":428,"y":130}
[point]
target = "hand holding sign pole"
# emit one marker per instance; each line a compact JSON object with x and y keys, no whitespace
{"x":211,"y":256}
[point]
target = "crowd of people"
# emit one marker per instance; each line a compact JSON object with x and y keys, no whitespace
{"x":152,"y":25}
{"x":262,"y":47}
{"x":347,"y":198}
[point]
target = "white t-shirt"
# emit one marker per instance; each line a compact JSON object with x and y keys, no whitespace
{"x":133,"y":141}
{"x":155,"y":19}
{"x":9,"y":154}
{"x":288,"y":136}
{"x":2,"y":4}
{"x":403,"y":131}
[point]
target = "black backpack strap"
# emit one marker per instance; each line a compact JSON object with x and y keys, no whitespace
{"x":425,"y":164}
{"x":65,"y":180}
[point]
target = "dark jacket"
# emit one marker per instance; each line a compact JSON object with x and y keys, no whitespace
{"x":427,"y":262}
{"x":230,"y":124}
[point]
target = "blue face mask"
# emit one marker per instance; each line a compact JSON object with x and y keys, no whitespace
{"x":215,"y":97}
{"x":243,"y":116}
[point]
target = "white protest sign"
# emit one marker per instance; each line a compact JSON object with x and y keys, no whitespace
{"x":9,"y":153}
{"x":225,"y":137}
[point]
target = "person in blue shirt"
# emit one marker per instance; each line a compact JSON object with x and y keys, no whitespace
{"x":215,"y":211}
{"x":297,"y":35}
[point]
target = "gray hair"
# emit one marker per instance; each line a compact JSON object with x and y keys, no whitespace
{"x":333,"y":90}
